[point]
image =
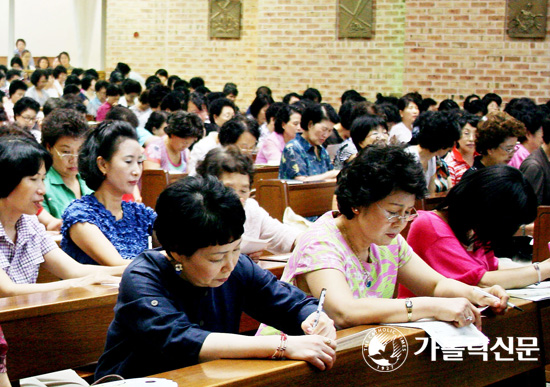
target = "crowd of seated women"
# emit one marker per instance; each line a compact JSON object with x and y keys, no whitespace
{"x":185,"y":300}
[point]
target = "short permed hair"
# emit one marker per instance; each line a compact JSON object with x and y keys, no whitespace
{"x":17,"y":85}
{"x":230,"y":88}
{"x":103,"y":141}
{"x":226,"y":160}
{"x":318,"y":112}
{"x":495,"y":129}
{"x":217,"y":105}
{"x":20,"y":157}
{"x":63,"y":123}
{"x":437,"y":130}
{"x":122,"y":113}
{"x":130,"y":86}
{"x":375,"y":173}
{"x":526,"y":111}
{"x":363,"y":125}
{"x":235,"y":127}
{"x":213,"y":215}
{"x":183,"y":124}
{"x":283,"y":116}
{"x":58,"y":70}
{"x":491,"y":97}
{"x":36,"y":75}
{"x":24,"y":104}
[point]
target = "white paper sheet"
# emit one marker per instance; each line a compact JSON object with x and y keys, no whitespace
{"x":447,"y":335}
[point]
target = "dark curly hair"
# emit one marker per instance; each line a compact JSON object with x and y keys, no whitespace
{"x":437,"y":130}
{"x":183,"y":124}
{"x":495,"y":129}
{"x":63,"y":123}
{"x":375,"y":173}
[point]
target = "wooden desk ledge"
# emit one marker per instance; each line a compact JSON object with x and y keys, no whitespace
{"x":350,"y":368}
{"x":58,"y":301}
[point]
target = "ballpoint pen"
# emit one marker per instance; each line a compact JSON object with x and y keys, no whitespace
{"x":483,"y":292}
{"x":319,"y":307}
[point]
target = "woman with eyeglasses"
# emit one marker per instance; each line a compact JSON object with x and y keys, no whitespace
{"x":240,"y":131}
{"x":25,"y":112}
{"x":102,"y":228}
{"x":461,"y":158}
{"x":359,"y":256}
{"x":496,"y":140}
{"x":63,"y":133}
{"x":478,"y":215}
{"x":304,"y":157}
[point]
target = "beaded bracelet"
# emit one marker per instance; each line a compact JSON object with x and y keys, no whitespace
{"x":280,"y":351}
{"x":537,"y":269}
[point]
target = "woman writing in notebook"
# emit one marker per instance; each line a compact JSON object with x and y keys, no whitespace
{"x":359,"y":255}
{"x":478,"y":215}
{"x":183,"y":305}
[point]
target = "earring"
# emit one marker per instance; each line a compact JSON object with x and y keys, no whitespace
{"x":355,"y":210}
{"x":178,"y":267}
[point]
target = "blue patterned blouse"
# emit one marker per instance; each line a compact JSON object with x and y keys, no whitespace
{"x":299,"y":159}
{"x":128,"y":235}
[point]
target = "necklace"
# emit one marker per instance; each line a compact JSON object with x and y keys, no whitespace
{"x":345,"y":234}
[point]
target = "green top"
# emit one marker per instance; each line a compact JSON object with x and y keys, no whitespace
{"x":58,"y":195}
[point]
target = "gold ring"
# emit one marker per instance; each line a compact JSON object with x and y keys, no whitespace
{"x":328,"y":341}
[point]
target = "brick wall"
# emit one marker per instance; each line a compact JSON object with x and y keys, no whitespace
{"x":288,"y":45}
{"x":440,"y":48}
{"x":455,"y":48}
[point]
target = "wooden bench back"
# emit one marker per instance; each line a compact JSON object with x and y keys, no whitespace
{"x":153,"y":182}
{"x":305,"y":199}
{"x":541,"y":235}
{"x":265,"y":172}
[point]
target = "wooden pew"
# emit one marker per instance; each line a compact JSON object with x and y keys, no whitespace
{"x":51,"y":331}
{"x":350,"y":368}
{"x":306,"y":199}
{"x":153,"y":182}
{"x":541,"y":235}
{"x":430,"y":202}
{"x":264,"y":172}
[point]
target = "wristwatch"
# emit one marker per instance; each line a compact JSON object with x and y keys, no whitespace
{"x":409,"y":306}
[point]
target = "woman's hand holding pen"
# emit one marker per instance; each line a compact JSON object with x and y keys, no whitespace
{"x":495,"y":297}
{"x":325,"y":326}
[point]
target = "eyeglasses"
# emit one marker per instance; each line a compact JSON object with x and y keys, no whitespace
{"x":29,"y":119}
{"x":509,"y":149}
{"x":376,"y":133}
{"x":393,"y":217}
{"x":66,"y":156}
